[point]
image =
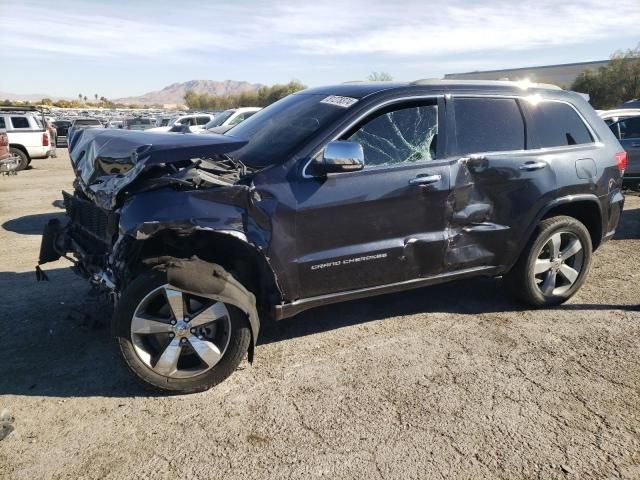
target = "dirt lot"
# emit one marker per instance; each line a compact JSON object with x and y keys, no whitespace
{"x":454,"y":381}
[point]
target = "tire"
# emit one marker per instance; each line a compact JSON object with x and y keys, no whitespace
{"x":532,"y":278}
{"x":24,"y":158}
{"x":233,"y":331}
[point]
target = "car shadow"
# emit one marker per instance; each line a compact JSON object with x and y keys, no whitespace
{"x":629,"y":226}
{"x":467,"y":297}
{"x":31,"y":224}
{"x":65,"y":347}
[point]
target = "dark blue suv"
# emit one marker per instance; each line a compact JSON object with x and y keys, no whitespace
{"x":328,"y":195}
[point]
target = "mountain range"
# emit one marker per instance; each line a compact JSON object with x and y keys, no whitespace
{"x":172,"y":94}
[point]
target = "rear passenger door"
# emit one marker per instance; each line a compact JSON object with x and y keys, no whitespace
{"x":496,"y":182}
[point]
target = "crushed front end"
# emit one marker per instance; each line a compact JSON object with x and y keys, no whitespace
{"x":116,"y":170}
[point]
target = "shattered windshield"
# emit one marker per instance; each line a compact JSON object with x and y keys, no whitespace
{"x":278,"y":130}
{"x":399,"y":136}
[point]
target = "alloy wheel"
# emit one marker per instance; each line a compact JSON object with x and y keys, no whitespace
{"x":179,"y":335}
{"x":559,"y":263}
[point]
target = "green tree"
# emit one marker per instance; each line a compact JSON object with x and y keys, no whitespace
{"x":262,"y":97}
{"x":613,"y":84}
{"x":380,"y":77}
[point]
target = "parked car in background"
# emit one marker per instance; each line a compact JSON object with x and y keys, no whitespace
{"x":333,"y":194}
{"x":138,"y":123}
{"x":62,"y":130}
{"x":164,"y":121}
{"x":82,"y":124}
{"x":627,"y":131}
{"x":186,"y":124}
{"x":611,"y":116}
{"x":228,"y":119}
{"x":115,"y":124}
{"x":634,"y":103}
{"x":8,"y":161}
{"x":28,"y":136}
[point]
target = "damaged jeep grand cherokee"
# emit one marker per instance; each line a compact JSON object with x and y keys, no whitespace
{"x":328,"y":195}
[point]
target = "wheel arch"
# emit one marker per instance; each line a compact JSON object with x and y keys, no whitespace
{"x":21,"y":148}
{"x":229,"y":249}
{"x":584,"y":208}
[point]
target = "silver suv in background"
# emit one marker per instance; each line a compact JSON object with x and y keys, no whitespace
{"x":627,"y":131}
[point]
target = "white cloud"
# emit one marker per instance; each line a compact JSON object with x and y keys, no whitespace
{"x":335,"y":28}
{"x":459,"y":28}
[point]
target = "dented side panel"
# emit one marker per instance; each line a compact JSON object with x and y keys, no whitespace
{"x":229,"y":209}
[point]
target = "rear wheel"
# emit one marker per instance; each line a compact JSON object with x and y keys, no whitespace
{"x":22,"y":156}
{"x":176,"y":341}
{"x":554,"y":265}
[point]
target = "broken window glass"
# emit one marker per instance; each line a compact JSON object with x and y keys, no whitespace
{"x":399,"y":136}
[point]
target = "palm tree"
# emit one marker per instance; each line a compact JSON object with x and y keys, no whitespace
{"x":96,"y":96}
{"x":85,"y":99}
{"x":80,"y":96}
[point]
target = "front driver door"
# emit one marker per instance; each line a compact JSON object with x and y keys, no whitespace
{"x":386,"y":223}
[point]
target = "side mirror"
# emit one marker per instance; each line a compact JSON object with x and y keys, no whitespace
{"x":341,"y":156}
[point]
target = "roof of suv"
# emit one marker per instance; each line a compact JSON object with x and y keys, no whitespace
{"x":363,"y":89}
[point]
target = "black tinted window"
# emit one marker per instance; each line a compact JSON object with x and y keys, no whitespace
{"x":557,"y":124}
{"x":397,"y":136}
{"x":2,"y":124}
{"x":630,"y":128}
{"x":20,"y":122}
{"x":488,"y":125}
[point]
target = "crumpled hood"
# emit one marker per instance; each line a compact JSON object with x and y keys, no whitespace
{"x":107,"y":160}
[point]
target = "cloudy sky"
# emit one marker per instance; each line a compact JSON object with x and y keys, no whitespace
{"x":117,"y":48}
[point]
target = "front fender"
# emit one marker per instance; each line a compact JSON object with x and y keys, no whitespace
{"x":228,"y":209}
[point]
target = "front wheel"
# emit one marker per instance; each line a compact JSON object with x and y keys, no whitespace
{"x":176,"y":341}
{"x":554,"y":265}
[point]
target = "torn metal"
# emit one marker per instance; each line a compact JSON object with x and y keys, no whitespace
{"x":107,"y":161}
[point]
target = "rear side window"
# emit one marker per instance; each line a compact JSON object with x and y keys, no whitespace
{"x":203,"y":120}
{"x":2,"y":124}
{"x":488,"y":125}
{"x":557,"y":124}
{"x":20,"y":122}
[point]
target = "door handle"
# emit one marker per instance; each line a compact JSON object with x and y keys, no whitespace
{"x":425,"y":179}
{"x":531,"y":166}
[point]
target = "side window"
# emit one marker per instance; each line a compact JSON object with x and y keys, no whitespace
{"x":2,"y":124}
{"x":488,"y":125}
{"x":203,"y":120}
{"x":557,"y":124}
{"x":20,"y":122}
{"x":187,"y":121}
{"x":630,"y":128}
{"x":395,"y":135}
{"x":237,"y":120}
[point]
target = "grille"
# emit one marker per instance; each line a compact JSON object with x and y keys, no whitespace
{"x":87,"y":217}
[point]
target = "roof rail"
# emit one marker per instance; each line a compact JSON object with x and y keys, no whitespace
{"x":523,"y":84}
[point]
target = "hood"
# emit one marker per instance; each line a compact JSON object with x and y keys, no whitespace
{"x":105,"y":161}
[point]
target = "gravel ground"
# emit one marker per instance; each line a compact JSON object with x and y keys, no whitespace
{"x":453,"y":381}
